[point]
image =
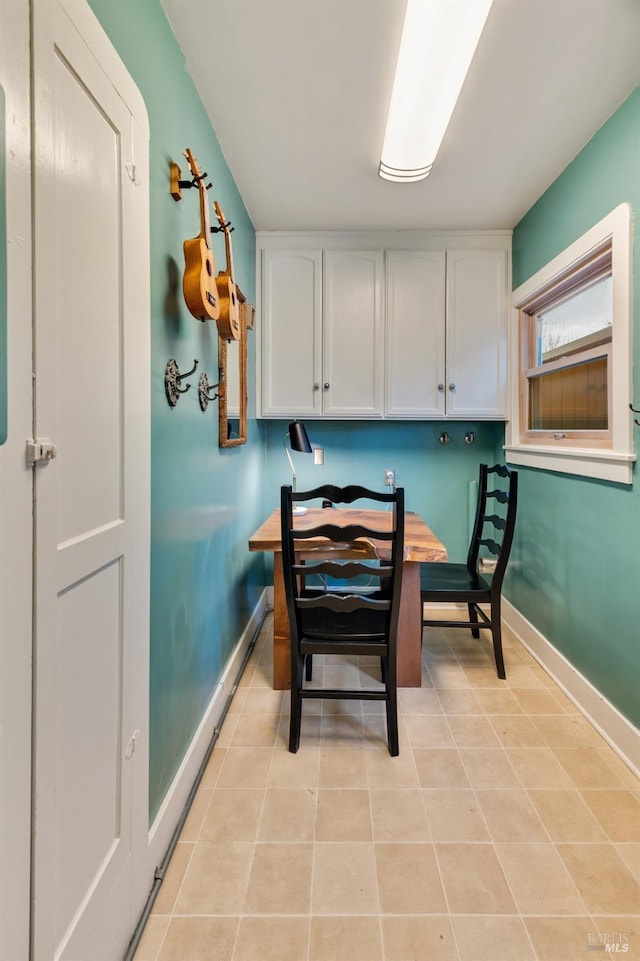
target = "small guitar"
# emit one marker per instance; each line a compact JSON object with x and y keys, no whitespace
{"x":199,"y":279}
{"x":229,"y":321}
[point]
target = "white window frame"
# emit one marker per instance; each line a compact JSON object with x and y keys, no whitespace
{"x":614,"y":463}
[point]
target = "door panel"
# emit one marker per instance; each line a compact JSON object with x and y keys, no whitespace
{"x":89,"y":687}
{"x":87,"y":294}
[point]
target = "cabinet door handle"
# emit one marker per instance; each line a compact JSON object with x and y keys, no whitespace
{"x":441,"y":387}
{"x":452,"y":387}
{"x":327,"y":385}
{"x":316,"y":386}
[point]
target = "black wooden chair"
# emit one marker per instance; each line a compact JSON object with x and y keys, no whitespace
{"x":343,"y":605}
{"x":471,"y":583}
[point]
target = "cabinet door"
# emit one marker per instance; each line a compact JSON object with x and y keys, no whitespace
{"x":476,"y":333}
{"x":352,"y":382}
{"x":291,"y":333}
{"x":415,"y":333}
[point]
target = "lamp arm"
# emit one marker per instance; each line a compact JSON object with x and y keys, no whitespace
{"x":288,"y":453}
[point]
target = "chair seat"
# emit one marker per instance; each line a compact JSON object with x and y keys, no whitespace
{"x":455,"y":580}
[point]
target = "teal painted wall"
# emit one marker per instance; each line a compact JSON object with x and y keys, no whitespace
{"x":205,"y":502}
{"x":435,"y":477}
{"x":575,"y":570}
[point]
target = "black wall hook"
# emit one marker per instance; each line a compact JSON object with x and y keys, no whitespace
{"x":173,"y":379}
{"x":204,"y":388}
{"x":635,"y":411}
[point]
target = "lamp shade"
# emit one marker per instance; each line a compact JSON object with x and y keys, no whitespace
{"x":298,"y":437}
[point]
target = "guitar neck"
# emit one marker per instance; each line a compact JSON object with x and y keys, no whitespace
{"x":205,"y":222}
{"x":227,"y":247}
{"x":227,"y":239}
{"x":204,"y":215}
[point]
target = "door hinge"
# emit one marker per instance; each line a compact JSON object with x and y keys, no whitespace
{"x":131,"y":746}
{"x":40,"y":450}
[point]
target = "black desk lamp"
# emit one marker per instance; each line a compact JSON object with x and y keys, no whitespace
{"x":299,"y":440}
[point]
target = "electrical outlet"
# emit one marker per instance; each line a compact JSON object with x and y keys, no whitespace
{"x":389,"y":478}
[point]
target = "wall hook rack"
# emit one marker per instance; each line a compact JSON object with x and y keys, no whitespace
{"x":635,"y":411}
{"x":173,"y":379}
{"x":204,"y":388}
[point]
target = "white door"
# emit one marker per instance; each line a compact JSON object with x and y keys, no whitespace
{"x":91,"y":549}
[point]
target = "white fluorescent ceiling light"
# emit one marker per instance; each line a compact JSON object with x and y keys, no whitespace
{"x":439,"y":39}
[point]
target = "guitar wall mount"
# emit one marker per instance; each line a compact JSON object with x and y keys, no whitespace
{"x":173,"y":379}
{"x":177,"y":185}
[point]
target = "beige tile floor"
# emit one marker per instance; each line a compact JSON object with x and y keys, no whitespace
{"x":506,"y":830}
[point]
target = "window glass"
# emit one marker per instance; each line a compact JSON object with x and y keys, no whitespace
{"x":572,"y":398}
{"x":583,"y":319}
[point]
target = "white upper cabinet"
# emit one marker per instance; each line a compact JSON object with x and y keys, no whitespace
{"x":446,"y":334}
{"x":476,"y":325}
{"x":415,"y":348}
{"x":357,"y":331}
{"x":353,"y":370}
{"x":291,"y":333}
{"x":322,"y":340}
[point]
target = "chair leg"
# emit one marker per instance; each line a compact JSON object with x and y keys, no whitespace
{"x":391,"y":705}
{"x":392,"y":722}
{"x":473,"y":616}
{"x":308,"y":666}
{"x":295,"y":716}
{"x":496,"y":634}
{"x":383,"y":670}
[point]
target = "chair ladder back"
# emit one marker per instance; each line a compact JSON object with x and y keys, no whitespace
{"x":336,"y":615}
{"x":509,"y":525}
{"x":474,"y":544}
{"x":491,"y":530}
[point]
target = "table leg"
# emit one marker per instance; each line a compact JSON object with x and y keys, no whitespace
{"x":281,"y":639}
{"x":409,"y":629}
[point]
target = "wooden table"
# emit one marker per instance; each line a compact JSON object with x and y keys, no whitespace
{"x":420,"y":544}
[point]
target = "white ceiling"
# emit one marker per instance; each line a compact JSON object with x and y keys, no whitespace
{"x":298,"y":90}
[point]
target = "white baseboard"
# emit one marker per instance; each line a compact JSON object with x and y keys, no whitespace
{"x":619,"y":732}
{"x":167,"y":818}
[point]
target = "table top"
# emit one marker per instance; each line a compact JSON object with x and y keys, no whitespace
{"x":420,"y":543}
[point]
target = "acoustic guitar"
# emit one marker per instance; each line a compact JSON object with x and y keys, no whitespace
{"x":229,"y":320}
{"x":199,"y":280}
